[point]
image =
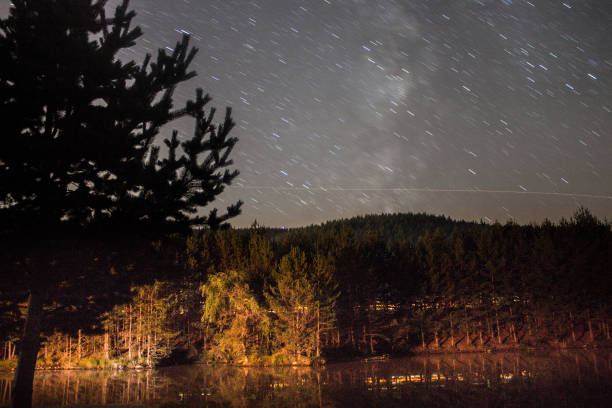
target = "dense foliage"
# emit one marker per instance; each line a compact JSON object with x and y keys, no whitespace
{"x":368,"y":285}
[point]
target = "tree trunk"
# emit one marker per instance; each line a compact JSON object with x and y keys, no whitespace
{"x":69,"y":347}
{"x":30,"y":344}
{"x":11,"y":350}
{"x":106,"y":345}
{"x":149,"y":349}
{"x":139,"y":339}
{"x":149,"y":317}
{"x":79,"y":346}
{"x":318,"y":333}
{"x":129,"y":339}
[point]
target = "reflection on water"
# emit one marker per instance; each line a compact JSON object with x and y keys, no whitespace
{"x":476,"y":380}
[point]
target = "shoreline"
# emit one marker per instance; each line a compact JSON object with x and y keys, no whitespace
{"x":349,"y":359}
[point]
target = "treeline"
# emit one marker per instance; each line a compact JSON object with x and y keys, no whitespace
{"x":368,"y":285}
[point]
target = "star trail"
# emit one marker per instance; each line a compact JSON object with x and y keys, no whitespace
{"x":475,"y":109}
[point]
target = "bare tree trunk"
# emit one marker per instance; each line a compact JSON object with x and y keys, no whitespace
{"x":148,"y":349}
{"x":139,"y":336}
{"x":11,"y":350}
{"x":106,"y":345}
{"x":318,"y":335}
{"x":69,"y":344}
{"x":129,"y":339}
{"x":79,"y":345}
{"x":149,"y":316}
{"x":30,"y":344}
{"x":295,"y":337}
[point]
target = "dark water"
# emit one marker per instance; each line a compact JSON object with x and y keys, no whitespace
{"x":565,"y":379}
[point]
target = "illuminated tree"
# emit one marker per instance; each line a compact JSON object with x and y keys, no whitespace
{"x":292,"y":300}
{"x":230,"y":309}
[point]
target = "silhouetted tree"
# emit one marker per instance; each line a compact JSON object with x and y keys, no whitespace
{"x":79,"y":155}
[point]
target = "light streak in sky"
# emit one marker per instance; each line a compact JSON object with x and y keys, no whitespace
{"x":427,"y":190}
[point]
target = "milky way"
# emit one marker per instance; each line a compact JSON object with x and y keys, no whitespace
{"x":482,"y":110}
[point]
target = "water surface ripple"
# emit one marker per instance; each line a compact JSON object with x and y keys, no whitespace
{"x":558,"y":379}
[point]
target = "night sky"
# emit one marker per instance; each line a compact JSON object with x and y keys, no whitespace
{"x":474,"y":109}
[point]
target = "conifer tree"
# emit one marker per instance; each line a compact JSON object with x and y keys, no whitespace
{"x":292,"y":299}
{"x":326,"y":292}
{"x":80,"y":156}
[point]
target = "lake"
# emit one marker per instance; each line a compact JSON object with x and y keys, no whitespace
{"x":553,"y":379}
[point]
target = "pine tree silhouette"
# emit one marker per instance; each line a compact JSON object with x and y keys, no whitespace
{"x":80,"y":153}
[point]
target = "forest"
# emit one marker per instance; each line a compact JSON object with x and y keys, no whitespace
{"x":366,"y":286}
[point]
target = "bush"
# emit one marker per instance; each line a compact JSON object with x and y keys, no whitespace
{"x":88,"y":362}
{"x":280,"y":359}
